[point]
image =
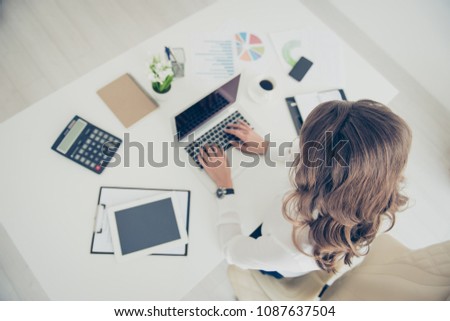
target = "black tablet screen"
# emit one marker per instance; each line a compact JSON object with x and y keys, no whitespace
{"x":146,"y":225}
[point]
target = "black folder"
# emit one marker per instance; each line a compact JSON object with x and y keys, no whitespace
{"x":295,"y":108}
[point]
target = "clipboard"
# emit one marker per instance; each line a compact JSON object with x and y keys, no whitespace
{"x":112,"y":196}
{"x":300,"y":106}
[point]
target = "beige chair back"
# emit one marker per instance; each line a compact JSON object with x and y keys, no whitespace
{"x":393,"y":272}
{"x":389,"y":272}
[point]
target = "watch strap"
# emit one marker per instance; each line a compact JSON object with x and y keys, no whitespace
{"x":229,"y":191}
{"x":221,"y":192}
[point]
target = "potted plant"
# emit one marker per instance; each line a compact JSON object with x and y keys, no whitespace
{"x":161,"y":75}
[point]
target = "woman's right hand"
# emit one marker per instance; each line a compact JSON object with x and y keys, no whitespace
{"x":251,"y":142}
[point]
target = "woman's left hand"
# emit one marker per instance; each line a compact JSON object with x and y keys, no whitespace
{"x":214,"y":162}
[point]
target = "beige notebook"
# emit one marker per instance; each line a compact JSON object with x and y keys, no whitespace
{"x":127,"y":100}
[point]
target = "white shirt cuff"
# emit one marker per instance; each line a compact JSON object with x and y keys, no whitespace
{"x":228,"y":210}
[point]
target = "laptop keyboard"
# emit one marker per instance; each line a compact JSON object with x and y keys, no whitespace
{"x":217,"y":136}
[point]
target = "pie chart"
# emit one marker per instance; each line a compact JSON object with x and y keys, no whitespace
{"x":249,"y":47}
{"x":292,"y":52}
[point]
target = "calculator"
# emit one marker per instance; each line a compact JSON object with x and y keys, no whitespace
{"x":87,"y":145}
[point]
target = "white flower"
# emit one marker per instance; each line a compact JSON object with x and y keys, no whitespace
{"x":164,"y":74}
{"x":159,"y":70}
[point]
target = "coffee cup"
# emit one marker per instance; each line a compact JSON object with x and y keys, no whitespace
{"x":262,"y":88}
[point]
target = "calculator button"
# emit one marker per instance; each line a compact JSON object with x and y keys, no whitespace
{"x":102,"y":141}
{"x":91,"y":136}
{"x":87,"y":162}
{"x":91,"y":156}
{"x":81,"y":151}
{"x":96,"y":159}
{"x":92,"y":165}
{"x":96,"y":138}
{"x":77,"y":157}
{"x":95,"y":131}
{"x":98,"y":168}
{"x":88,"y":141}
{"x":85,"y":146}
{"x":105,"y":136}
{"x":82,"y":159}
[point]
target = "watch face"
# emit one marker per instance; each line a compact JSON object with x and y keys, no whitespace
{"x":220,"y":193}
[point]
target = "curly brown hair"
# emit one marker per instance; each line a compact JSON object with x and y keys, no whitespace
{"x":343,"y":202}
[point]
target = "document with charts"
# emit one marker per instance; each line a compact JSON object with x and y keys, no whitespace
{"x":321,"y":47}
{"x":213,"y":55}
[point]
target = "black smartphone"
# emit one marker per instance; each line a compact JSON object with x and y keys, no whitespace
{"x":300,"y":68}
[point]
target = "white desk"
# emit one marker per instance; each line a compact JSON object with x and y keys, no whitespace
{"x":47,"y":203}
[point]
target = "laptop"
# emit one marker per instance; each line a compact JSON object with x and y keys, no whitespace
{"x":203,"y":123}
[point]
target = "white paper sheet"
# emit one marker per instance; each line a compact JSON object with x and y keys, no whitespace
{"x":213,"y":55}
{"x":322,"y":48}
{"x":307,"y":102}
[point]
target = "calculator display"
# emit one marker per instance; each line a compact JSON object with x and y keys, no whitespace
{"x":71,"y":136}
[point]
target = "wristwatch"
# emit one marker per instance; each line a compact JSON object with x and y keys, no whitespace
{"x":222,"y":191}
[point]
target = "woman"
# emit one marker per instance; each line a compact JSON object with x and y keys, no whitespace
{"x":346,"y":176}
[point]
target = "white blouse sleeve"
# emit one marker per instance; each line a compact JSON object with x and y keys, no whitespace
{"x":242,"y":250}
{"x":264,"y":253}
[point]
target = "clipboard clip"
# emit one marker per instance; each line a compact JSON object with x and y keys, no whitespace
{"x":99,"y":218}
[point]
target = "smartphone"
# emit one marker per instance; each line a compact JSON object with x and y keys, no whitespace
{"x":300,"y":68}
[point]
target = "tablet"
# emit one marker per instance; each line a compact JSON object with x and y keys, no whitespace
{"x":149,"y":225}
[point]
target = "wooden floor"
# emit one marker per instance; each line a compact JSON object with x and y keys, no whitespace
{"x":45,"y":44}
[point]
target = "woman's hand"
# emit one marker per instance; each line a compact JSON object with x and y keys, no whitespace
{"x":251,"y":142}
{"x":214,"y":162}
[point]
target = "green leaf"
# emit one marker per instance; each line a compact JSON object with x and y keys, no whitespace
{"x":166,"y":83}
{"x":156,"y":86}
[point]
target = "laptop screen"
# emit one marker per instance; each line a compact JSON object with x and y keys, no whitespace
{"x":200,"y":112}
